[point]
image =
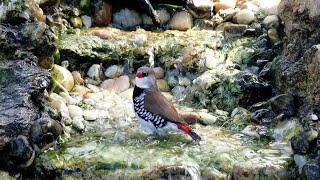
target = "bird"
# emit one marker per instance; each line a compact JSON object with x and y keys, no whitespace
{"x":156,"y":114}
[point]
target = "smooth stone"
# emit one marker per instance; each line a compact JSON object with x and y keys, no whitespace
{"x":200,"y":8}
{"x":210,"y":59}
{"x":250,"y":6}
{"x":127,"y":94}
{"x":314,"y":117}
{"x":121,"y":83}
{"x":181,"y":21}
{"x":107,"y":84}
{"x":269,"y":6}
{"x":113,"y":71}
{"x":158,"y":72}
{"x":207,"y":119}
{"x":90,"y":115}
{"x":250,"y":130}
{"x":89,"y":101}
{"x":75,"y":111}
{"x":77,"y":123}
{"x":271,"y":21}
{"x":57,"y":97}
{"x":146,"y":20}
{"x":94,"y":72}
{"x":86,"y":20}
{"x":63,"y":76}
{"x":103,"y":33}
{"x":77,"y":77}
{"x":127,"y":19}
{"x":244,"y":16}
{"x":163,"y":85}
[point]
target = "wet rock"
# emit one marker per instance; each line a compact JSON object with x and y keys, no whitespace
{"x":305,"y":143}
{"x":181,"y":21}
{"x":244,"y":16}
{"x":163,"y":85}
{"x":263,"y":117}
{"x":254,"y":89}
{"x":273,"y":35}
{"x":311,"y":170}
{"x":75,"y":111}
{"x":127,"y":19}
{"x":224,"y":4}
{"x":95,"y":72}
{"x":184,"y":81}
{"x":285,"y":130}
{"x":76,"y":22}
{"x":235,"y":30}
{"x":86,"y":20}
{"x":113,"y":71}
{"x":62,"y":76}
{"x":172,"y":81}
{"x":271,"y":21}
{"x":282,"y":104}
{"x":102,"y":13}
{"x":300,"y":161}
{"x":158,"y":72}
{"x":77,"y":77}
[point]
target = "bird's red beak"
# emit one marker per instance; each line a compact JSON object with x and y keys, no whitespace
{"x":139,"y":74}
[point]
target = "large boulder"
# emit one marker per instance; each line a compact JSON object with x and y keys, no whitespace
{"x":26,"y":123}
{"x":297,"y":71}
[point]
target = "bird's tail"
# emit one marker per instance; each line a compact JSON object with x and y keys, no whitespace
{"x":185,"y":128}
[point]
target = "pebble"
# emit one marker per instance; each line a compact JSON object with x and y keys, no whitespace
{"x":94,"y":72}
{"x":68,"y":98}
{"x":63,"y":76}
{"x":164,"y":15}
{"x":77,"y":123}
{"x":314,"y":117}
{"x":113,"y":71}
{"x":107,"y":84}
{"x":75,"y":111}
{"x":90,"y":115}
{"x":181,"y":21}
{"x":244,"y":16}
{"x":178,"y":91}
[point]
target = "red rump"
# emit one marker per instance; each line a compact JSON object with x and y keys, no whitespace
{"x":185,"y":128}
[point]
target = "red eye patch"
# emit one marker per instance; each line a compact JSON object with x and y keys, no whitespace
{"x":139,"y":74}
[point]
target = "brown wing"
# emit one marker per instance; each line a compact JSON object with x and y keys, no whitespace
{"x":157,"y":103}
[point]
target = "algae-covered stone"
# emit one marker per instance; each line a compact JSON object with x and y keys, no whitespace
{"x":285,"y":130}
{"x":62,"y":76}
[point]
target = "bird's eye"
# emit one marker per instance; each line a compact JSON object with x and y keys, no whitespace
{"x":144,"y":74}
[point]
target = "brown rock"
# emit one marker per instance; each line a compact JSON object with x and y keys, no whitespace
{"x":103,"y":14}
{"x":77,"y":77}
{"x":81,"y":90}
{"x":163,"y":85}
{"x":158,"y":72}
{"x":224,"y":4}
